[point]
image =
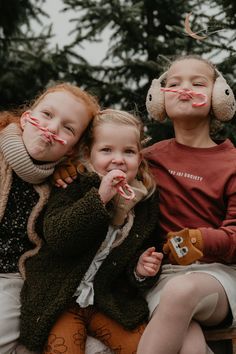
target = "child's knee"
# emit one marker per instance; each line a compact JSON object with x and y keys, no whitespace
{"x":179,"y":291}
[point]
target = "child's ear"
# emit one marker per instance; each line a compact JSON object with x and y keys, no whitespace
{"x":23,"y":119}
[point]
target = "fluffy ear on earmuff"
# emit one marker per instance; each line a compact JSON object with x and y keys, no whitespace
{"x":223,"y":100}
{"x":155,"y":101}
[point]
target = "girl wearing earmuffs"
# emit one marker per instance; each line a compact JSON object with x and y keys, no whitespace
{"x":197,"y":183}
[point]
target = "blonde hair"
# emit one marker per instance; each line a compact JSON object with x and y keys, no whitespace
{"x":124,"y":118}
{"x":196,"y":57}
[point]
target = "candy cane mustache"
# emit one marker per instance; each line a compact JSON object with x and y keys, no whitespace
{"x":189,"y":93}
{"x":49,"y":135}
{"x":125,"y":190}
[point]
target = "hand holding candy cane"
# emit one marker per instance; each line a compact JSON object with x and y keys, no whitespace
{"x":112,"y":183}
{"x":49,"y":135}
{"x":123,"y":188}
{"x":189,"y":93}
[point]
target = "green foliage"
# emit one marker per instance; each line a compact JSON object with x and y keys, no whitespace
{"x":14,"y":13}
{"x":26,"y":63}
{"x":145,"y":35}
{"x":139,"y":32}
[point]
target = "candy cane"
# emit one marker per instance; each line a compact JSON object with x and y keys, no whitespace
{"x":189,"y":93}
{"x":35,"y":122}
{"x":125,"y":190}
{"x":199,"y":104}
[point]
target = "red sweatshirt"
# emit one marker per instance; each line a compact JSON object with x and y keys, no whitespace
{"x":198,"y":190}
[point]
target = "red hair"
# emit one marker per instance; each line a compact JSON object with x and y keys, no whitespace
{"x":7,"y":117}
{"x":89,"y":100}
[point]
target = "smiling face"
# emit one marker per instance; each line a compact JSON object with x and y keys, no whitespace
{"x":189,"y":74}
{"x":61,"y":113}
{"x":115,"y":146}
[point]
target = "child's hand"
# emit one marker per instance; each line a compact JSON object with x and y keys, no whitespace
{"x":64,"y":174}
{"x":149,"y":263}
{"x":109,"y":185}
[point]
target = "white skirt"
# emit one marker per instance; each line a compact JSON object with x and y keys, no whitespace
{"x":225,"y":274}
{"x":10,"y":287}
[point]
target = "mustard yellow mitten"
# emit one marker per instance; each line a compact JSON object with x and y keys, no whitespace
{"x":184,"y":247}
{"x":66,"y":169}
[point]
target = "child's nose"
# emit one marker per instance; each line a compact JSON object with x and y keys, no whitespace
{"x":186,"y":86}
{"x":53,"y":126}
{"x":118,"y":159}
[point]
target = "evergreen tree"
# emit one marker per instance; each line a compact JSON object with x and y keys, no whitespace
{"x":224,"y":48}
{"x":27,"y":65}
{"x":144,"y":36}
{"x":142,"y":33}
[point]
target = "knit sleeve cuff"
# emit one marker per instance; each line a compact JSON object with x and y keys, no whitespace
{"x":138,"y":277}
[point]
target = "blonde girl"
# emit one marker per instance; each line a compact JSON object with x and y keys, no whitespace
{"x":99,"y":251}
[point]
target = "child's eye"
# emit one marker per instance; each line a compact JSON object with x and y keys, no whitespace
{"x":198,"y":84}
{"x":47,"y":114}
{"x":172,"y":84}
{"x":106,"y":149}
{"x":70,"y":129}
{"x":130,"y":151}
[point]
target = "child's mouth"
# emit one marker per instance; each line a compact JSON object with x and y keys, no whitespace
{"x":187,"y":95}
{"x":49,"y":136}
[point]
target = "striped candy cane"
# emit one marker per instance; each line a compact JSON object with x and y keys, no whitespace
{"x":49,"y":135}
{"x":189,"y":93}
{"x":125,"y":190}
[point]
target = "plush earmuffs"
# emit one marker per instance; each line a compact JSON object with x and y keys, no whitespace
{"x":223,"y":100}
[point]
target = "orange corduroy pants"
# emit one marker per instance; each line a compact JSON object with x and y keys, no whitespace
{"x":69,"y":333}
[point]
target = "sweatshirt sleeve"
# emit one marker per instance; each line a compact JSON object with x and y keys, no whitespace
{"x":220,"y":243}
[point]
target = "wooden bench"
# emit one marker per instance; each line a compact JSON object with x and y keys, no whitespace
{"x":223,"y":341}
